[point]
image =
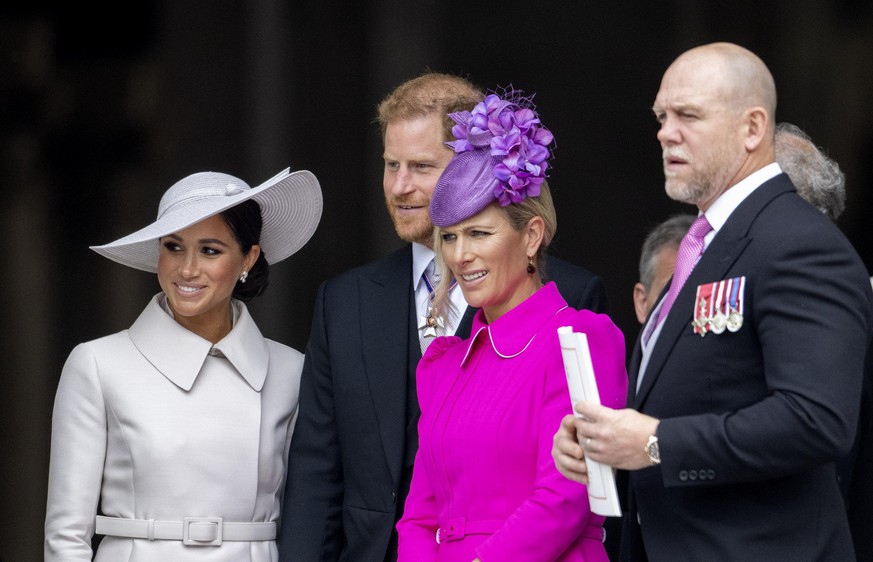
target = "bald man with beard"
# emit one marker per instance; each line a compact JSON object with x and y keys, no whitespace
{"x":744,"y":391}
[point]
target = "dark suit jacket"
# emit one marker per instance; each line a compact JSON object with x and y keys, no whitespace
{"x":344,"y":490}
{"x":855,"y":472}
{"x":752,"y":421}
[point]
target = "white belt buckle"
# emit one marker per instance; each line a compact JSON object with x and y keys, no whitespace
{"x":196,"y":540}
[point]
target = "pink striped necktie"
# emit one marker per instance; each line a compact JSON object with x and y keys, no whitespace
{"x":689,"y":252}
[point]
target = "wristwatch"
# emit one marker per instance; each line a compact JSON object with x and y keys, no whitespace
{"x":652,"y":450}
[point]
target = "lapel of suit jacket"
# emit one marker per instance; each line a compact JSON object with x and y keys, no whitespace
{"x":723,"y":251}
{"x":386,"y":297}
{"x":466,"y":323}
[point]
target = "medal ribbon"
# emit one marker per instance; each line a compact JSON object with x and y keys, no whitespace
{"x":429,"y":323}
{"x":429,"y":285}
{"x":735,"y":302}
{"x":720,"y":297}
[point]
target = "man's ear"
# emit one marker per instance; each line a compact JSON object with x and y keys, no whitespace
{"x":640,"y":302}
{"x":755,"y":125}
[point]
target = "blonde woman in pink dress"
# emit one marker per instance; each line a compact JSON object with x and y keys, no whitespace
{"x":484,"y":485}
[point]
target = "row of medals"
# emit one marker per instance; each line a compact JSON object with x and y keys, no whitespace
{"x":718,"y":322}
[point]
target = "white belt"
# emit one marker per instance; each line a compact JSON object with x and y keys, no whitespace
{"x":193,"y":531}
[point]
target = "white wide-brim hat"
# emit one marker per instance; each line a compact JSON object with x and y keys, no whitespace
{"x":290,"y":203}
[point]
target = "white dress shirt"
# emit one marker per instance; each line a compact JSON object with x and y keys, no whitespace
{"x":421,"y":256}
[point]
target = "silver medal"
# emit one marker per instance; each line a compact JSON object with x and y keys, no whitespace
{"x":719,"y":322}
{"x":734,"y":321}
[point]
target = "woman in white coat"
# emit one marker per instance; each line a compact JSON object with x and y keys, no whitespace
{"x":171,"y":438}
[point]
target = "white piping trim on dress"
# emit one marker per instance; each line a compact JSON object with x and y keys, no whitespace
{"x":494,"y":347}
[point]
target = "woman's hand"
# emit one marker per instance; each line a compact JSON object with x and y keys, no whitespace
{"x":568,"y":455}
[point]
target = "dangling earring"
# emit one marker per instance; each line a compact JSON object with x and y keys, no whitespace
{"x":531,"y":269}
{"x":245,"y":275}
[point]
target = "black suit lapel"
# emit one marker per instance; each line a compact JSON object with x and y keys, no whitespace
{"x":712,"y":267}
{"x":466,"y":323}
{"x":385,"y":323}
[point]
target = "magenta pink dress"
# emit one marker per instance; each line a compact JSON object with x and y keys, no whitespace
{"x":484,"y":482}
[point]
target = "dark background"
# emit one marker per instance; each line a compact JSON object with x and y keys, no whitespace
{"x":103,"y":110}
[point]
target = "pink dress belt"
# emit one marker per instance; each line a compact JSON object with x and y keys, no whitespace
{"x":458,"y":528}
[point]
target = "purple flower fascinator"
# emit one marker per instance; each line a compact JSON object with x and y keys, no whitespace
{"x":502,"y":153}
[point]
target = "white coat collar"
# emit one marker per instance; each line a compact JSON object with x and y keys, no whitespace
{"x":179,"y":354}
